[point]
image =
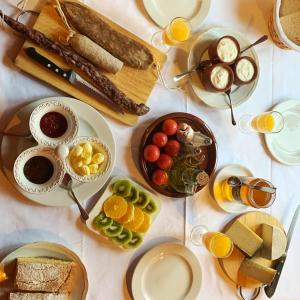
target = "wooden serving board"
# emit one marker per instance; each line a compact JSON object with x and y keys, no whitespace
{"x":136,"y":84}
{"x":231,"y":265}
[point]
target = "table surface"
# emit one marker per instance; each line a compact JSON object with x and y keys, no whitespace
{"x":22,"y":221}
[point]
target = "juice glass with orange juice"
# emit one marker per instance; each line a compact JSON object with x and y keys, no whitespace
{"x":3,"y":276}
{"x":248,"y":193}
{"x":177,"y":31}
{"x":268,"y":122}
{"x":217,"y":243}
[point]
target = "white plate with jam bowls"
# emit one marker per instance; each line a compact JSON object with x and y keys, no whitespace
{"x":53,"y":123}
{"x":38,"y":170}
{"x":198,"y":52}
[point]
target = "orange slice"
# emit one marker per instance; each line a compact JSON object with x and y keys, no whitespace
{"x":137,"y":221}
{"x":129,"y":214}
{"x":145,"y":225}
{"x":115,"y":207}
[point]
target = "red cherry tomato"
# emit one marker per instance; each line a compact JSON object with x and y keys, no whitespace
{"x":164,"y":162}
{"x":172,"y":148}
{"x":160,"y":139}
{"x":170,"y":127}
{"x":160,"y":177}
{"x":151,"y":153}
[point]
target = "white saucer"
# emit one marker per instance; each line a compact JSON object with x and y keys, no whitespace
{"x":168,"y":271}
{"x":50,"y":250}
{"x":163,"y":12}
{"x":91,"y":123}
{"x":285,"y":145}
{"x":226,"y":172}
{"x":198,"y":52}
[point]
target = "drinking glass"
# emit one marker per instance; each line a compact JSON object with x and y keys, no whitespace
{"x":247,"y":194}
{"x":268,"y":122}
{"x":3,"y":276}
{"x":217,"y":243}
{"x":178,"y":31}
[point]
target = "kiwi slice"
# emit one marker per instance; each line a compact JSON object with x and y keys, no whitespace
{"x":135,"y":241}
{"x":123,"y":238}
{"x":102,"y":221}
{"x":143,"y":200}
{"x":134,"y":195}
{"x":151,"y":207}
{"x":113,"y":230}
{"x":122,"y":188}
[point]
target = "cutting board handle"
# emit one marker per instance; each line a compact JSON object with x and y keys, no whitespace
{"x":241,"y":295}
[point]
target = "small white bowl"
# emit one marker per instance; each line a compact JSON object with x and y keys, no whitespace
{"x":53,"y":106}
{"x":93,"y":177}
{"x":52,"y":183}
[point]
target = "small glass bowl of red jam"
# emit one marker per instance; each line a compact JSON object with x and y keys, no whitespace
{"x":38,"y":170}
{"x":53,"y":123}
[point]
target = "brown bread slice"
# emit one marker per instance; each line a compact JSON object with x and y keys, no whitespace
{"x":289,"y":7}
{"x":38,"y":296}
{"x":291,"y":26}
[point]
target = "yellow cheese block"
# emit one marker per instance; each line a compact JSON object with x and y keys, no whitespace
{"x":274,"y":242}
{"x":255,"y":269}
{"x":244,"y":238}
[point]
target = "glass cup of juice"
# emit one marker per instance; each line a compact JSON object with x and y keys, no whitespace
{"x":250,"y":192}
{"x":178,"y":31}
{"x":217,"y":243}
{"x":268,"y":122}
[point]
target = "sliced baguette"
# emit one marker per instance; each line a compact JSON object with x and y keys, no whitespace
{"x":44,"y":275}
{"x":38,"y":296}
{"x":291,"y":26}
{"x":289,"y":7}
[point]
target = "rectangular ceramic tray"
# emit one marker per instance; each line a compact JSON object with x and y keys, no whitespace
{"x":107,"y":193}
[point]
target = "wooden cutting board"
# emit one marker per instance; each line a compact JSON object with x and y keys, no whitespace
{"x":137,"y":84}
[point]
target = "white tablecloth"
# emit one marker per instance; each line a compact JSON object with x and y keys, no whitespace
{"x":22,"y":221}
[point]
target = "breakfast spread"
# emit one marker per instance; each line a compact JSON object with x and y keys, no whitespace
{"x":245,"y":70}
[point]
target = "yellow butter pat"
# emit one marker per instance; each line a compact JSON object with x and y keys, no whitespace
{"x":84,"y":170}
{"x":93,"y":169}
{"x":87,"y":147}
{"x":77,"y":151}
{"x":98,"y":158}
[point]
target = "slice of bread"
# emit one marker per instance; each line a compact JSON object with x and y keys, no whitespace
{"x":37,"y":296}
{"x":291,"y":27}
{"x":289,"y":7}
{"x":44,"y":275}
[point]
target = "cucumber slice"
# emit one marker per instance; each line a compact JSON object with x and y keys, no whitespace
{"x":135,"y":241}
{"x":102,"y":221}
{"x":123,"y":238}
{"x":122,"y":188}
{"x":134,"y":195}
{"x":113,"y":230}
{"x":151,"y":207}
{"x":143,"y":200}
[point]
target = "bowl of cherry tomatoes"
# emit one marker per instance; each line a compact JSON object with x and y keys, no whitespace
{"x":160,"y":147}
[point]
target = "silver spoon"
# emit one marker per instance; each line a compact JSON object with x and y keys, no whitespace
{"x":231,"y":107}
{"x":234,"y":181}
{"x":67,"y":184}
{"x":259,"y":41}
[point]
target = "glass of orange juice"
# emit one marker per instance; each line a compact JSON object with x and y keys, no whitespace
{"x":217,"y":243}
{"x":3,"y":276}
{"x":178,"y":31}
{"x":268,"y":122}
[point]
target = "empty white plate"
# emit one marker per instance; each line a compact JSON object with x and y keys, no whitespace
{"x":285,"y":145}
{"x":168,"y":271}
{"x":163,"y":12}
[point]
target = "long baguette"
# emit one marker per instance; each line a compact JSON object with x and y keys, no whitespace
{"x":38,"y":296}
{"x":72,"y":58}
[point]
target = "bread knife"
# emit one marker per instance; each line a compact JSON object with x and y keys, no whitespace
{"x":72,"y":77}
{"x":270,"y":289}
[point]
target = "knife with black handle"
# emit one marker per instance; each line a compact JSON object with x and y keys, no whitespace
{"x":270,"y":289}
{"x":72,"y":77}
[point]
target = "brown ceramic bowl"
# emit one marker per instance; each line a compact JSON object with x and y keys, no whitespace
{"x":213,"y":50}
{"x":205,"y":77}
{"x":148,"y":168}
{"x":237,"y":80}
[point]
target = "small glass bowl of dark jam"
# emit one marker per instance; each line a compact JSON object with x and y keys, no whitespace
{"x":38,"y":170}
{"x":53,"y":123}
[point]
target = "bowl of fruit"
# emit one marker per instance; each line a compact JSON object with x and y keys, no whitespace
{"x":178,"y":155}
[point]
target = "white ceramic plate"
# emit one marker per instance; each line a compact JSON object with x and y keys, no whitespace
{"x":91,"y":123}
{"x":198,"y":52}
{"x":285,"y":145}
{"x":163,"y":12}
{"x":107,"y":193}
{"x":226,"y":172}
{"x":168,"y":271}
{"x":51,"y":250}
